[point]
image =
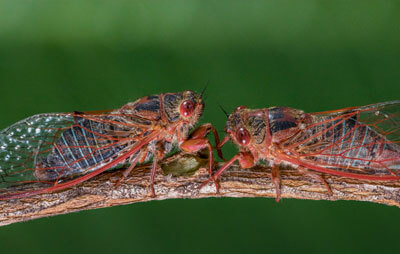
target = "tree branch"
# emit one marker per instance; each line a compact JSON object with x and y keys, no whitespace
{"x":183,"y":175}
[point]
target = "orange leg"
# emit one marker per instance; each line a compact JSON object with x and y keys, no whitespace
{"x":126,"y":173}
{"x":276,"y":180}
{"x":158,"y":155}
{"x":139,"y":158}
{"x":246,"y":160}
{"x":198,"y":141}
{"x":316,"y":177}
{"x":194,"y":145}
{"x":153,"y":174}
{"x":202,"y":131}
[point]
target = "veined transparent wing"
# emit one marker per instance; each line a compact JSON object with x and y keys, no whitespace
{"x":23,"y":144}
{"x":57,"y":147}
{"x":383,"y":117}
{"x":358,"y":142}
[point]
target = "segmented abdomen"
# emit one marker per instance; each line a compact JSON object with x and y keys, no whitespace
{"x":350,"y":144}
{"x":79,"y":149}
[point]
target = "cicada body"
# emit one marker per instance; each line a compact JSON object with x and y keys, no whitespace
{"x":358,"y":142}
{"x":59,"y":150}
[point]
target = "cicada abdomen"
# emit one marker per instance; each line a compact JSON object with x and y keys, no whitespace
{"x":361,"y":143}
{"x":83,"y":147}
{"x":355,"y":144}
{"x":64,"y":149}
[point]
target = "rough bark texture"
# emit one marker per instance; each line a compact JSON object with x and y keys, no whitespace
{"x":101,"y":191}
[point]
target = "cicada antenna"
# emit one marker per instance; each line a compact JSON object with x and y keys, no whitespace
{"x":205,"y":88}
{"x":223,"y":110}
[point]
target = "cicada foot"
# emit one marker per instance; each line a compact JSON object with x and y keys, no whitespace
{"x":316,"y":177}
{"x":120,"y":180}
{"x":211,"y":178}
{"x":125,"y":174}
{"x":246,"y":160}
{"x":152,"y":176}
{"x":130,"y":168}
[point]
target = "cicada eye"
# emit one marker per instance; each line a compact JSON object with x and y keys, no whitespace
{"x":240,"y":107}
{"x":187,"y":108}
{"x":243,"y":136}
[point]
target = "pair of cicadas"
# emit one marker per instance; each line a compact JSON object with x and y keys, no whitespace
{"x":59,"y":150}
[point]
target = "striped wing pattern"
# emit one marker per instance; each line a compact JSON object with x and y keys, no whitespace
{"x":362,"y":140}
{"x":56,"y":147}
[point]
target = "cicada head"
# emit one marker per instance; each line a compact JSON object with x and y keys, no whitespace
{"x":246,"y":127}
{"x":186,"y":107}
{"x":182,"y":110}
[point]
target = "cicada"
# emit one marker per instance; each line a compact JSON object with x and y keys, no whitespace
{"x":59,"y":150}
{"x":356,"y":142}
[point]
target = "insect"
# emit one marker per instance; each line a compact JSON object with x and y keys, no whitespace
{"x":357,"y":142}
{"x":59,"y":150}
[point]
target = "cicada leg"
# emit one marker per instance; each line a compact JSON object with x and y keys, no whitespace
{"x":317,"y":177}
{"x":158,"y":155}
{"x":194,"y":145}
{"x":198,"y":141}
{"x":202,"y":131}
{"x":126,"y":173}
{"x":276,"y":180}
{"x":246,"y":160}
{"x":138,"y":159}
{"x":153,"y":174}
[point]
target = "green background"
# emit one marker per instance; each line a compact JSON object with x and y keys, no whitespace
{"x":92,"y":55}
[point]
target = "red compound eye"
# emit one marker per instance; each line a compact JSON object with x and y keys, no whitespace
{"x":187,"y":108}
{"x":243,"y":136}
{"x":239,"y":108}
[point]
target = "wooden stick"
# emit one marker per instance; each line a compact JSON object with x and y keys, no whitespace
{"x":100,"y":191}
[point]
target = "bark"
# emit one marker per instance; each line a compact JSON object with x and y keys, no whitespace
{"x":182,"y":177}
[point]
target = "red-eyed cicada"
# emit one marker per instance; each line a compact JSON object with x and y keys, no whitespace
{"x":358,"y":142}
{"x":59,"y":150}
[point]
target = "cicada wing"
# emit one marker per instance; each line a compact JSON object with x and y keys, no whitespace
{"x":383,"y":117}
{"x":24,"y":143}
{"x":58,"y":147}
{"x":25,"y":191}
{"x":361,"y":141}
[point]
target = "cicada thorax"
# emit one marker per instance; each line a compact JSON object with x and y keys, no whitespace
{"x":284,"y":122}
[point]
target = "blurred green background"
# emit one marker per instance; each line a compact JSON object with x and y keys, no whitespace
{"x":313,"y":55}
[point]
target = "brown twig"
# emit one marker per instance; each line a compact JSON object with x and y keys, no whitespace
{"x":100,"y":191}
